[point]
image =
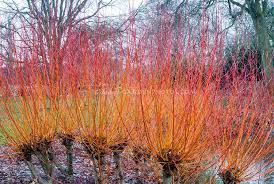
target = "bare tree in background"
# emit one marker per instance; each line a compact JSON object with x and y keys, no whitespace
{"x":261,"y":13}
{"x":49,"y":22}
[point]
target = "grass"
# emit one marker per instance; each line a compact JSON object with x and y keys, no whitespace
{"x":3,"y":117}
{"x":13,"y":102}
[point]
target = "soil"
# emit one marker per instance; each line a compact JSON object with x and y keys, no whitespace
{"x":15,"y":171}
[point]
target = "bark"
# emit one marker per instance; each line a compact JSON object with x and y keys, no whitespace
{"x":94,"y":166}
{"x":99,"y":169}
{"x":229,"y":177}
{"x":46,"y":164}
{"x":35,"y":173}
{"x":117,"y":161}
{"x":167,"y":176}
{"x":68,"y":143}
{"x":258,"y":10}
{"x":69,"y":160}
{"x":263,"y":43}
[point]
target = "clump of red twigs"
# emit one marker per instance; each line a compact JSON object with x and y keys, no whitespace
{"x":166,"y":103}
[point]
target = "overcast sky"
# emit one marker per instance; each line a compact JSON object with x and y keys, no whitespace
{"x":119,"y":7}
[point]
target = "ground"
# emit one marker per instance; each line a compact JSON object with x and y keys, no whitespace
{"x":14,"y":171}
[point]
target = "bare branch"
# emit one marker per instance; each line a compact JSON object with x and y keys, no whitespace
{"x":242,"y":6}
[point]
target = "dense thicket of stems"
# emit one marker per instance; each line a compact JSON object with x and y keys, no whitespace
{"x":164,"y":98}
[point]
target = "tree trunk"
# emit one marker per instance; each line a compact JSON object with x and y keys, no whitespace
{"x":117,"y":161}
{"x":69,"y":152}
{"x":35,"y":173}
{"x":263,"y":43}
{"x":166,"y":176}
